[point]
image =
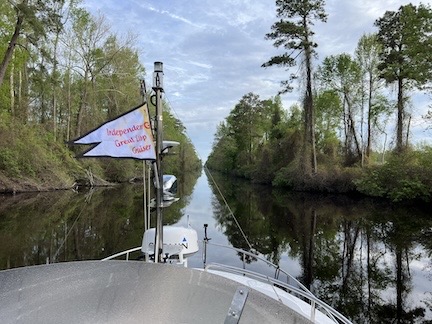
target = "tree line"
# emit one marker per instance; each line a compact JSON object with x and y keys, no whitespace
{"x":329,"y":141}
{"x":64,"y":71}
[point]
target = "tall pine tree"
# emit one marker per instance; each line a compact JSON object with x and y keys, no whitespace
{"x":406,"y":57}
{"x":294,"y":33}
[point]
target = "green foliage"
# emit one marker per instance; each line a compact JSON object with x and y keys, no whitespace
{"x":405,"y":176}
{"x":246,"y":130}
{"x":264,"y":169}
{"x":349,"y":98}
{"x":30,"y":20}
{"x":341,"y":75}
{"x":293,"y":32}
{"x":31,"y":154}
{"x":256,"y":139}
{"x":406,"y":57}
{"x":405,"y":36}
{"x":9,"y":162}
{"x":331,"y":179}
{"x":119,"y":170}
{"x":286,"y":177}
{"x":185,"y":159}
{"x":372,"y":183}
{"x":328,"y":109}
{"x":224,"y":151}
{"x":367,"y":54}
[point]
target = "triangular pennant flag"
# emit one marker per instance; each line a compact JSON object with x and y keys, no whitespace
{"x":127,"y":136}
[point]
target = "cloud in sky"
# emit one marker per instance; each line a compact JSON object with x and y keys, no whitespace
{"x":213,"y":50}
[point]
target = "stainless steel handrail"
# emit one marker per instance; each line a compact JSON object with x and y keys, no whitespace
{"x":127,"y":252}
{"x":278,"y":270}
{"x":302,"y":291}
{"x":314,"y":302}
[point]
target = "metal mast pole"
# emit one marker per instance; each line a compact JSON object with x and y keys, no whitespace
{"x":146,"y":226}
{"x":158,"y":88}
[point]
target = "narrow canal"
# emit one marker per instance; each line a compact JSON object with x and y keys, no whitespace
{"x":371,"y":260}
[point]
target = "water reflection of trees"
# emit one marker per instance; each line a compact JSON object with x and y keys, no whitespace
{"x":66,"y":226}
{"x":355,"y":254}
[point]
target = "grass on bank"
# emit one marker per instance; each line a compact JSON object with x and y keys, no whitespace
{"x":30,"y":159}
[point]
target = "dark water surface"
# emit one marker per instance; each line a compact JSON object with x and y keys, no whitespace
{"x":370,"y":260}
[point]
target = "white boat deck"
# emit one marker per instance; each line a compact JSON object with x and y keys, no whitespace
{"x":128,"y":292}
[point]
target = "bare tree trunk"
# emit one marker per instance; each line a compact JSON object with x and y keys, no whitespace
{"x":82,"y":105}
{"x":400,"y":117}
{"x":369,"y":121}
{"x":54,"y":81}
{"x":69,"y":110}
{"x":351,"y":127}
{"x":80,"y":113}
{"x":309,"y":138}
{"x":354,"y":133}
{"x":362,"y":141}
{"x":345,"y":121}
{"x":408,"y":131}
{"x":58,"y":29}
{"x":19,"y":90}
{"x":22,"y":106}
{"x":12,"y":91}
{"x":9,"y":51}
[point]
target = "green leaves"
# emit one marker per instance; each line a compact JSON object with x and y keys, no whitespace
{"x":251,"y":124}
{"x":293,"y":32}
{"x":406,"y":56}
{"x":405,"y":36}
{"x":404,"y":177}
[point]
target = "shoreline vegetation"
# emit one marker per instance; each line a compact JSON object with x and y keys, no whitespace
{"x":63,"y":72}
{"x":263,"y":143}
{"x":30,"y":161}
{"x":332,"y":140}
{"x":404,"y":178}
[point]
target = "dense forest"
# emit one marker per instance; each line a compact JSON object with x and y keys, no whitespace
{"x":62,"y":73}
{"x":331,"y":140}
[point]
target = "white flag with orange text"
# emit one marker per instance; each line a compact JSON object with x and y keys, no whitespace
{"x":127,"y":136}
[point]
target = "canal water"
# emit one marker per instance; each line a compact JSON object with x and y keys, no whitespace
{"x":371,"y":260}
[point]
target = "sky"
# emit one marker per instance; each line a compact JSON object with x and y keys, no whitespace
{"x":212,"y":52}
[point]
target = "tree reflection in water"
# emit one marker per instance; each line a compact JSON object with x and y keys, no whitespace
{"x":68,"y":226}
{"x":354,"y":253}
